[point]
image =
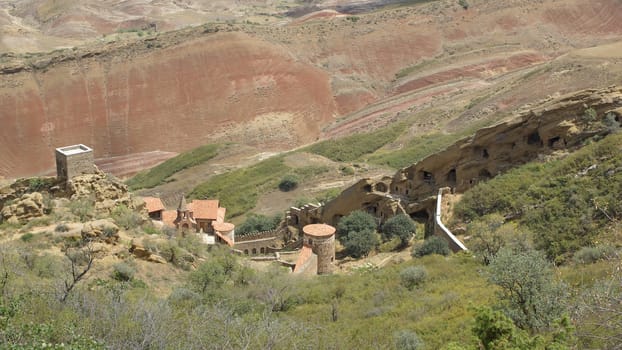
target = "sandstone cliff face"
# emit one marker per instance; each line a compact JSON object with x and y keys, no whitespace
{"x":551,"y":125}
{"x":554,"y":124}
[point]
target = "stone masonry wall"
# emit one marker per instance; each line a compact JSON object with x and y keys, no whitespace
{"x":73,"y":165}
{"x":324,"y":248}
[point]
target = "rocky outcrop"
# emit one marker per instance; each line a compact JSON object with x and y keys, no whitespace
{"x":144,"y":254}
{"x":103,"y":230}
{"x":106,"y":190}
{"x":28,"y":206}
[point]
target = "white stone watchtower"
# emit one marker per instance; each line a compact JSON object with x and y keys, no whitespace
{"x":74,"y":160}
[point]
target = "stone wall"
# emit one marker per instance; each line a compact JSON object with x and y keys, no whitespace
{"x":257,"y":246}
{"x":324,"y":248}
{"x":69,"y":166}
{"x":256,"y":235}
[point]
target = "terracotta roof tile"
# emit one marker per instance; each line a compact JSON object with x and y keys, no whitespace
{"x":153,"y":204}
{"x":221,"y":215}
{"x":222,"y":226}
{"x":319,"y":230}
{"x":206,"y":209}
{"x":305,"y":254}
{"x":168,"y":217}
{"x":225,"y":238}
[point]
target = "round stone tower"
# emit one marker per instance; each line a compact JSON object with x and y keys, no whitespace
{"x":321,"y":239}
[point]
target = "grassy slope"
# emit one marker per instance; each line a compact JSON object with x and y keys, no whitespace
{"x":567,"y":203}
{"x":158,"y":174}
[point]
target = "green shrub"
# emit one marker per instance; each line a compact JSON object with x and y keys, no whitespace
{"x":391,"y":245}
{"x":361,"y":243}
{"x":400,"y":226}
{"x":432,"y":245}
{"x":126,"y":218}
{"x":529,"y":293}
{"x":288,"y":183}
{"x":83,"y":208}
{"x":412,"y":276}
{"x":464,"y":4}
{"x":62,"y":227}
{"x":590,"y":255}
{"x":151,"y":230}
{"x":347,"y":170}
{"x":36,"y":184}
{"x":27,"y":237}
{"x":356,"y":221}
{"x":407,"y":340}
{"x":123,"y":272}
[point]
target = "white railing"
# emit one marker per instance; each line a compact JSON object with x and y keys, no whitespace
{"x":454,"y":242}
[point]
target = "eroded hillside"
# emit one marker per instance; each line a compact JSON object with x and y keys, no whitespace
{"x":280,"y":86}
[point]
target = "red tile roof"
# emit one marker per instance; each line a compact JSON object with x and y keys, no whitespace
{"x":223,"y":226}
{"x":153,"y":204}
{"x":319,"y":230}
{"x":221,"y":215}
{"x":303,"y":257}
{"x":206,"y":209}
{"x":225,"y":238}
{"x":168,"y":217}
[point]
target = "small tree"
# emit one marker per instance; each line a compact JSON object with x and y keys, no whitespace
{"x":361,"y":243}
{"x":288,"y":183}
{"x":495,"y":331}
{"x":400,"y":226}
{"x":530,"y":296}
{"x":82,"y":256}
{"x":357,"y":221}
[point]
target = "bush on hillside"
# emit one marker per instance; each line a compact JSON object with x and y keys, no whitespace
{"x":408,"y":340}
{"x":126,"y":217}
{"x":529,"y":293}
{"x":288,"y":182}
{"x":432,"y":245}
{"x":400,"y":226}
{"x":413,"y":276}
{"x":357,"y":221}
{"x":361,"y":243}
{"x":590,"y":255}
{"x":123,"y":272}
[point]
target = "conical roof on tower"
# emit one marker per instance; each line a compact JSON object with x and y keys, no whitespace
{"x":182,"y":203}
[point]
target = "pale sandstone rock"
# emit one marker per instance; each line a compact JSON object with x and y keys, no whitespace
{"x":28,"y":206}
{"x":103,"y":230}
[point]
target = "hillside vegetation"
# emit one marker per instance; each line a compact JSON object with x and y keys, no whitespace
{"x":429,"y":301}
{"x":158,"y":174}
{"x":566,"y":204}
